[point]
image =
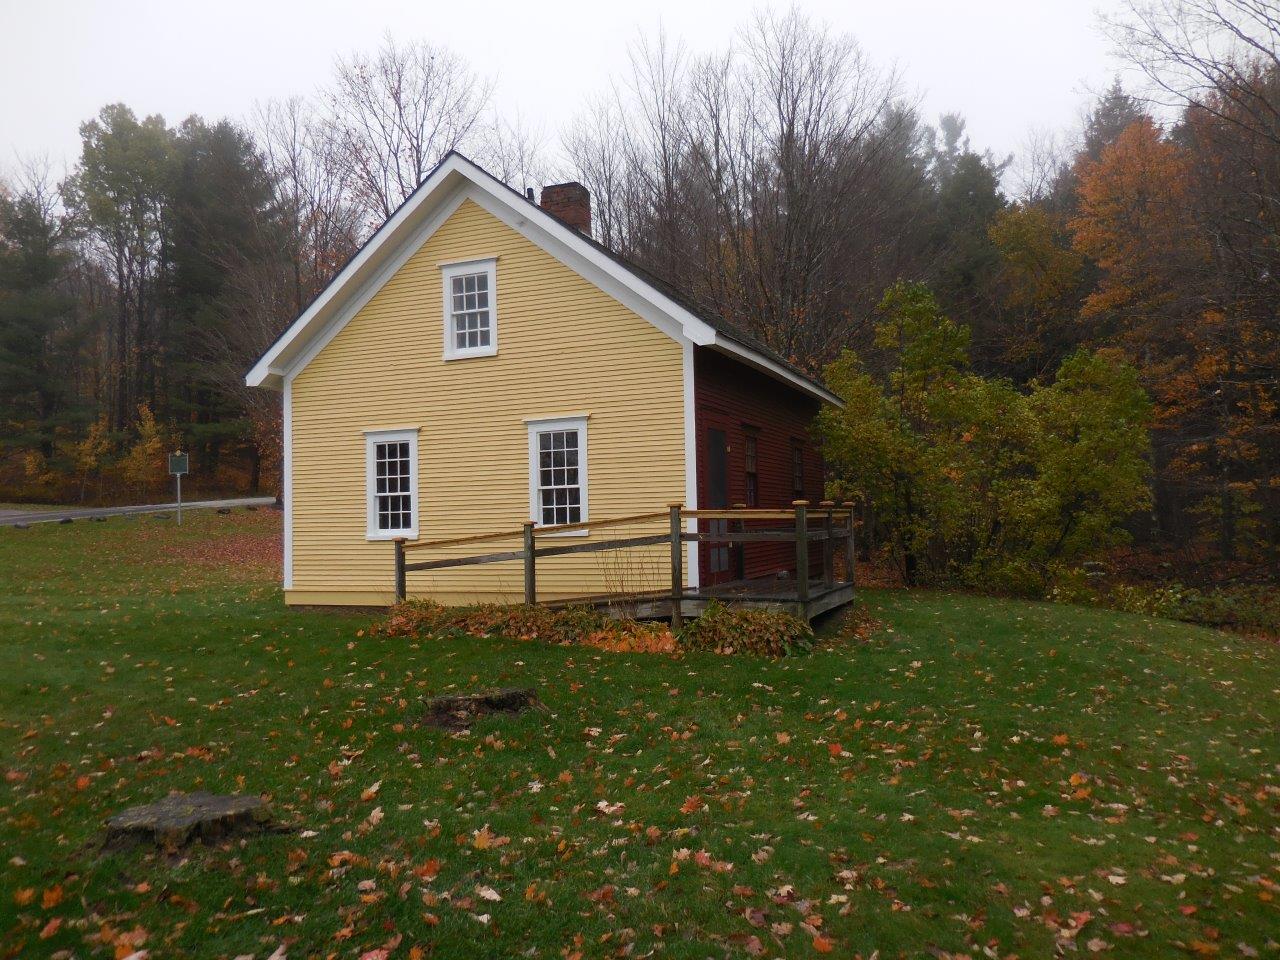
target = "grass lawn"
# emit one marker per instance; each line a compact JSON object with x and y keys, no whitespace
{"x":981,"y":778}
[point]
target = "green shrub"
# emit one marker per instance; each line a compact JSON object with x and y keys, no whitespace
{"x":1012,"y":577}
{"x":1254,"y":607}
{"x":973,"y":479}
{"x":1069,"y":584}
{"x":729,"y":630}
{"x":1244,"y":607}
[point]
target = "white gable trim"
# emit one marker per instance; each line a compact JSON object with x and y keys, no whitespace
{"x":398,"y":239}
{"x":364,"y":294}
{"x":591,"y":271}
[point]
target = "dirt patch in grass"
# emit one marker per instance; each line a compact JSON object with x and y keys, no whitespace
{"x":460,"y":711}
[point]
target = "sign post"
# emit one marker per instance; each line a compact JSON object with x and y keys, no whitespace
{"x":178,"y":463}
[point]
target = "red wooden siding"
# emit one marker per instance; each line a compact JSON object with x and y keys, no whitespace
{"x":735,"y":398}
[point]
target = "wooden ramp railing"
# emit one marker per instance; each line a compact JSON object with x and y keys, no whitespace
{"x":836,"y":524}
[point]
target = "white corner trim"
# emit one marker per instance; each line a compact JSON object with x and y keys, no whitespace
{"x":537,"y":425}
{"x":692,"y":575}
{"x":286,"y":469}
{"x":489,"y":267}
{"x":371,"y":438}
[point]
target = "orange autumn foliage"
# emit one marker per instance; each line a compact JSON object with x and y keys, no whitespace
{"x":1134,"y":222}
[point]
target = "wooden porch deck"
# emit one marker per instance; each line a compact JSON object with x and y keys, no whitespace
{"x":765,"y":593}
{"x":829,"y":529}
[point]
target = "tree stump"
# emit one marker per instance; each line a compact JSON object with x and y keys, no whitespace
{"x":182,"y":817}
{"x":459,"y":711}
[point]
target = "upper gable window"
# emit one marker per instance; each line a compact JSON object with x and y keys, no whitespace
{"x":470,"y":309}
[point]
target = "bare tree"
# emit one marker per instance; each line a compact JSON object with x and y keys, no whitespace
{"x":313,"y":192}
{"x":1039,"y":165}
{"x":768,"y":180}
{"x":1221,"y":56}
{"x":513,"y":151}
{"x":395,"y":114}
{"x":597,"y":157}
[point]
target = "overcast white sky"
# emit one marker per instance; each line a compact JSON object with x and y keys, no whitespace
{"x":1007,"y":65}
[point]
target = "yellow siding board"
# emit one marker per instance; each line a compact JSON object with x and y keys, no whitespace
{"x":564,"y":348}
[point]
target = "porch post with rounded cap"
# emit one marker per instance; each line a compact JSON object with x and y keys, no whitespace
{"x":829,"y":544}
{"x":802,"y":550}
{"x":677,"y":567}
{"x":849,"y":545}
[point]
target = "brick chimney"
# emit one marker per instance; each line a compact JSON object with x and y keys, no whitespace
{"x":571,"y":202}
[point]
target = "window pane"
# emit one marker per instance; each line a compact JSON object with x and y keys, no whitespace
{"x":472,"y":325}
{"x":559,"y":476}
{"x":393,"y":496}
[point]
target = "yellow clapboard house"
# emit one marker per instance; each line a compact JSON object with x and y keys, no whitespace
{"x":479,"y":363}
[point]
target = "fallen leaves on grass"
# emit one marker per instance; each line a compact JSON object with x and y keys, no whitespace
{"x":774,"y":807}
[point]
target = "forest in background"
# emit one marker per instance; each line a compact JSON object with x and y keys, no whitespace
{"x":785,"y":182}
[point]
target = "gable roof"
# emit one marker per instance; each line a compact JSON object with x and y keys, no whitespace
{"x":456,"y":178}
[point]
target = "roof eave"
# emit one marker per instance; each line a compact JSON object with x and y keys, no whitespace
{"x":264,"y":376}
{"x":754,"y":358}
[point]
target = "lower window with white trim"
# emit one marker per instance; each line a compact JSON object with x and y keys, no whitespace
{"x":558,"y":471}
{"x":391,"y":483}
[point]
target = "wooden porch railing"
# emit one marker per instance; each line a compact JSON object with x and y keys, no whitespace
{"x":837,"y":524}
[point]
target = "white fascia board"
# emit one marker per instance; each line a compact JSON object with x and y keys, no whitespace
{"x":776,"y":370}
{"x":272,"y":368}
{"x":591,"y":265}
{"x":342,"y":315}
{"x":541,"y":228}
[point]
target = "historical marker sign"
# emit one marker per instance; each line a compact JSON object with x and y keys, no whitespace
{"x":178,"y":464}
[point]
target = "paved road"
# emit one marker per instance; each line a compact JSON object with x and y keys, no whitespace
{"x":9,"y":518}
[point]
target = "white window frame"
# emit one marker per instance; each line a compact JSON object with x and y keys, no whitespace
{"x":539,"y":425}
{"x":448,"y":271}
{"x":371,"y":439}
